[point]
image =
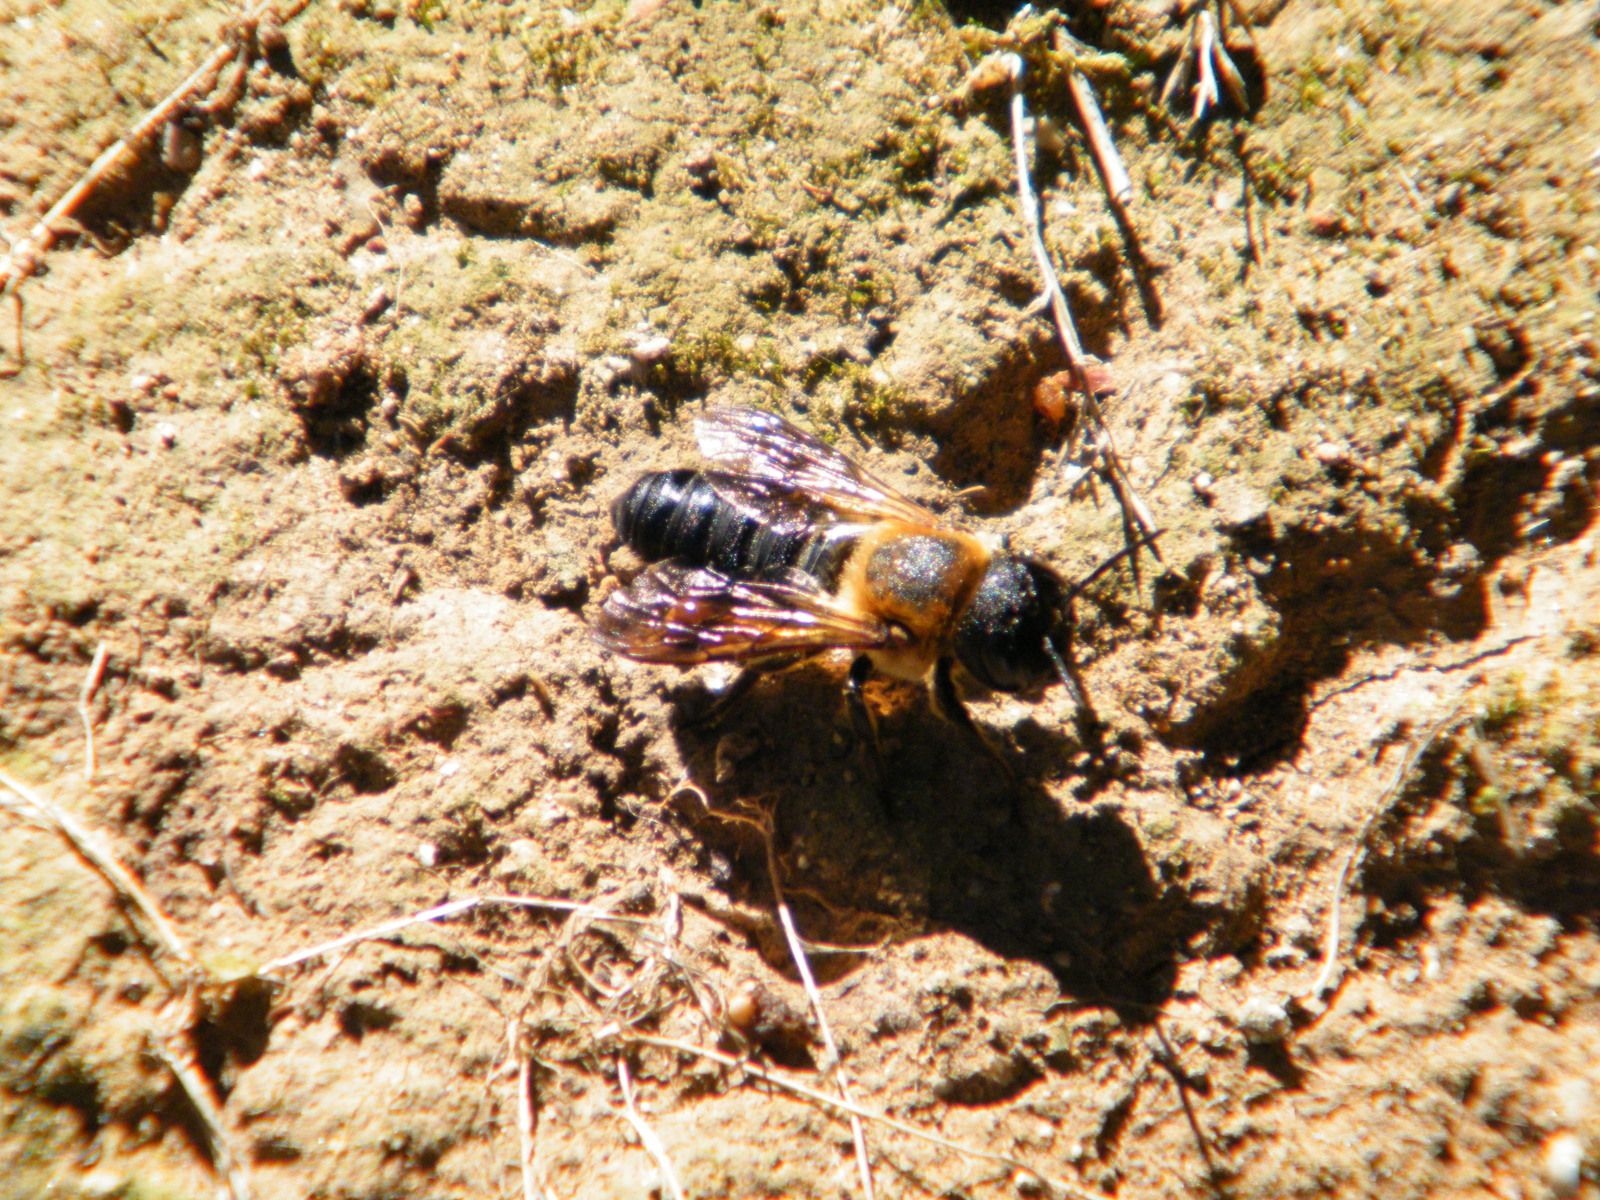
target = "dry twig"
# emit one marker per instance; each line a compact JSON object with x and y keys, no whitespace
{"x":177,"y":1053}
{"x":1164,"y":1053}
{"x":439,"y":912}
{"x":27,"y":253}
{"x":527,"y":1130}
{"x":1119,"y":188}
{"x":647,"y":1135}
{"x":1330,"y":942}
{"x":91,"y":684}
{"x":806,"y":1092}
{"x":808,"y":981}
{"x":1205,"y":53}
{"x":1138,"y":524}
{"x":158,"y":931}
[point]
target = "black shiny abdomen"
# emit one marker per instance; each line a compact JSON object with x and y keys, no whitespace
{"x":678,"y":514}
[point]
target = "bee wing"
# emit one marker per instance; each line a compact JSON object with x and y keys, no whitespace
{"x":776,"y":458}
{"x":676,"y":613}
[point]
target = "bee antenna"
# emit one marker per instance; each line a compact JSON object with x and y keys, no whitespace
{"x":1132,"y":547}
{"x":1064,"y":673}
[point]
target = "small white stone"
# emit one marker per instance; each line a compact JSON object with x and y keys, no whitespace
{"x":1563,"y":1163}
{"x":1263,"y":1020}
{"x":167,"y":435}
{"x":648,"y":351}
{"x":522,"y":854}
{"x":1332,"y":454}
{"x":428,"y":854}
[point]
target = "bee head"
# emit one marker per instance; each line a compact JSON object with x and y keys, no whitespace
{"x":1009,"y":635}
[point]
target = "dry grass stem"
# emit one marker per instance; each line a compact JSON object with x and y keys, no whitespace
{"x":1205,"y":53}
{"x":1138,"y":523}
{"x":1029,"y":203}
{"x":647,"y":1136}
{"x":1164,"y":1054}
{"x":175,"y":1050}
{"x":91,"y":684}
{"x":1327,"y":974}
{"x":177,"y":1054}
{"x":527,"y":1129}
{"x":440,"y":912}
{"x":1112,"y":171}
{"x":27,"y":253}
{"x":808,"y":981}
{"x":806,"y":1092}
{"x":88,"y":846}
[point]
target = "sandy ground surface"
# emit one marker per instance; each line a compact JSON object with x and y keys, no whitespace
{"x":315,"y":436}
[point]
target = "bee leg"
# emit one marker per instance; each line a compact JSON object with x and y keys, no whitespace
{"x":736,"y":690}
{"x":866,"y":727}
{"x":947,"y":702}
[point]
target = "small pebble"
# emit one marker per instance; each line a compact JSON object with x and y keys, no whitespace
{"x":1263,"y":1021}
{"x":1332,"y":454}
{"x":648,"y":351}
{"x":167,"y":435}
{"x":522,"y":854}
{"x":1563,"y":1163}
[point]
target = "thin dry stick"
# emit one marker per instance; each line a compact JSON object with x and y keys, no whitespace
{"x":1215,"y":46}
{"x":1254,"y":242}
{"x":1133,"y":508}
{"x":835,"y":1059}
{"x":806,"y":1092}
{"x":178,"y":1055}
{"x":1208,"y":48}
{"x":647,"y":1136}
{"x":1330,"y":940}
{"x":173,"y":1051}
{"x":91,"y":684}
{"x":1206,"y":92}
{"x":439,"y":913}
{"x":1167,"y":1056}
{"x":1065,"y":326}
{"x":88,"y":846}
{"x":28,"y":252}
{"x":1112,"y":173}
{"x":526,"y":1130}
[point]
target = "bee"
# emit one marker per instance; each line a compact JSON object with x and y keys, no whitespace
{"x":786,"y":549}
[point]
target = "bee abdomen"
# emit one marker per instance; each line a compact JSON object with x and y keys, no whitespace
{"x":678,"y":514}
